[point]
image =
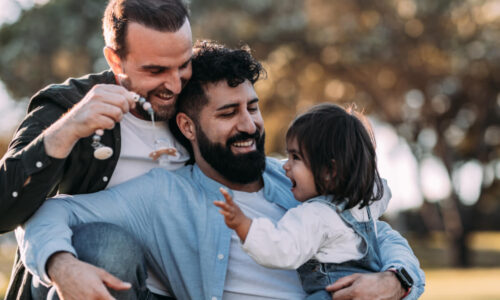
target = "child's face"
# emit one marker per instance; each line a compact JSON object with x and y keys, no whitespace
{"x":303,"y":187}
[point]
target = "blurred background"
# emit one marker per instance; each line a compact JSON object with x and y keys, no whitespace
{"x":426,"y":72}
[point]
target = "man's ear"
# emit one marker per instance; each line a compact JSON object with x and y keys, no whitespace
{"x":113,"y":59}
{"x":186,"y":126}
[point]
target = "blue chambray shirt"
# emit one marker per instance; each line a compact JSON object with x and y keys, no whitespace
{"x":173,"y":215}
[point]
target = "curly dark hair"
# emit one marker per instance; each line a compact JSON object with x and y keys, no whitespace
{"x":336,"y":143}
{"x":211,"y":63}
{"x":162,"y":15}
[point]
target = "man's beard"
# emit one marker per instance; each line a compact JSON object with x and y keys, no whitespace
{"x":239,"y":168}
{"x":162,"y":114}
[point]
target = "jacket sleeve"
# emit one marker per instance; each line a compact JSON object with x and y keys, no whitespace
{"x":395,"y":252}
{"x":293,"y":241}
{"x":48,"y":230}
{"x":27,"y":174}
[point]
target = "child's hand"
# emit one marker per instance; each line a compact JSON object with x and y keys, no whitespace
{"x":233,"y":216}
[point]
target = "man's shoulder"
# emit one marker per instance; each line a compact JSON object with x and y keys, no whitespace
{"x":69,"y":92}
{"x":274,"y":164}
{"x":274,"y":170}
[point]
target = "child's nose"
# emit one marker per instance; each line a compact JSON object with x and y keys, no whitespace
{"x":286,"y":167}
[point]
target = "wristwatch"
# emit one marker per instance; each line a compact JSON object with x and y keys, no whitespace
{"x":404,"y":278}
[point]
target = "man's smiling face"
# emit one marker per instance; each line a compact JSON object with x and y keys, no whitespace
{"x":230,"y":132}
{"x":158,"y":65}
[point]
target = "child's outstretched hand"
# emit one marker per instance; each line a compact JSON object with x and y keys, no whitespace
{"x":233,"y":216}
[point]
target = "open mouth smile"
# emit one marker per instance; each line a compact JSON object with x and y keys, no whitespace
{"x":165,"y":95}
{"x":246,"y":143}
{"x":245,"y":146}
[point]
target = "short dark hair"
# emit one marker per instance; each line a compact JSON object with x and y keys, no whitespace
{"x":333,"y":140}
{"x":211,"y":63}
{"x":162,"y":15}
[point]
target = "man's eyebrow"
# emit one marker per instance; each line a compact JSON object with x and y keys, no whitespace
{"x":151,"y":67}
{"x":187,"y":61}
{"x":230,"y":105}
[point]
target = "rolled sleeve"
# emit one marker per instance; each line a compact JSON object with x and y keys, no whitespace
{"x":395,"y":253}
{"x":45,"y":253}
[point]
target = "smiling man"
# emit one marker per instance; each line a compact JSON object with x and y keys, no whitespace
{"x":171,"y":213}
{"x":149,"y":49}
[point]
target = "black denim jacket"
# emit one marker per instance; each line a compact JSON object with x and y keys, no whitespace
{"x":28,"y":175}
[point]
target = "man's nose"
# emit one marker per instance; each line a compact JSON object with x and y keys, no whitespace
{"x":246,"y":123}
{"x":173,"y":82}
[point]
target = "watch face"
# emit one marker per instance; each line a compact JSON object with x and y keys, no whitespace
{"x":405,"y":278}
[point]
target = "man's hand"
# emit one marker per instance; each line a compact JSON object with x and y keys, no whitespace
{"x":371,"y":286}
{"x":75,"y":280}
{"x":101,"y":108}
{"x":233,"y":216}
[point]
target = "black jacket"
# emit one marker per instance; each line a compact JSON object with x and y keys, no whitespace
{"x":28,"y":176}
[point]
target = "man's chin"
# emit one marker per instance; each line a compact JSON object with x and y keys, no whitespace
{"x":163,"y":112}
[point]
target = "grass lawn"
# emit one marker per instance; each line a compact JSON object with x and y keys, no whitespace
{"x":462,"y":284}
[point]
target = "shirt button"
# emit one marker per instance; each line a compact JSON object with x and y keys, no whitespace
{"x":14,"y":194}
{"x":220,"y":256}
{"x":105,"y":179}
{"x":214,"y":298}
{"x":39,"y":164}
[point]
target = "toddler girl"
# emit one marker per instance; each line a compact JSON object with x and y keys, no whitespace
{"x":333,"y":171}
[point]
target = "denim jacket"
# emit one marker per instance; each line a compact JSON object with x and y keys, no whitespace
{"x":173,"y":215}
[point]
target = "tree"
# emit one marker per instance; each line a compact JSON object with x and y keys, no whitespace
{"x":429,"y":68}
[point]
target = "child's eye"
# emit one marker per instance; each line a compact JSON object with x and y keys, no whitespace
{"x":295,"y":157}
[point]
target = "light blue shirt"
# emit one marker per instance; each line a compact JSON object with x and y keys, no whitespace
{"x":173,"y":215}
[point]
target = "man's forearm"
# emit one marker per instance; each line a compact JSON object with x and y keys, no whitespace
{"x":58,"y":263}
{"x":59,"y":140}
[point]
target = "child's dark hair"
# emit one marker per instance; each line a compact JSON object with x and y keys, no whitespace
{"x":340,"y":152}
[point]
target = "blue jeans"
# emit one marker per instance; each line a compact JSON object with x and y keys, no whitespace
{"x":113,"y":249}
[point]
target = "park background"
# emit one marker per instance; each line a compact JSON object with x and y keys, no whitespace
{"x":426,"y":72}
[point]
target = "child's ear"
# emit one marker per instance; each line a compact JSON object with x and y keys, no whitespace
{"x":333,"y":170}
{"x":186,"y":126}
{"x":330,"y":173}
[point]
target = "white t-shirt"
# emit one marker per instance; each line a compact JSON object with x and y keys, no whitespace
{"x":311,"y":230}
{"x":137,"y":142}
{"x":245,"y":279}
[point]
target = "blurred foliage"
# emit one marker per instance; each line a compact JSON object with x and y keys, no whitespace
{"x":429,"y":68}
